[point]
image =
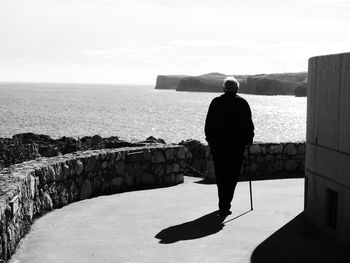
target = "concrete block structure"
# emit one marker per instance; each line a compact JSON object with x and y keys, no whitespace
{"x":327,"y":169}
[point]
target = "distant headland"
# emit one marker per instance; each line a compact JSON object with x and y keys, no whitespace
{"x":261,"y":84}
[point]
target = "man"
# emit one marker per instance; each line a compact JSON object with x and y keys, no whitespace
{"x":228,"y":129}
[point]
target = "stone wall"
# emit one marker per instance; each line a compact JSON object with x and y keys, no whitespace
{"x":266,"y":160}
{"x":29,"y":189}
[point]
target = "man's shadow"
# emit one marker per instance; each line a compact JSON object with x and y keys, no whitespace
{"x":204,"y":226}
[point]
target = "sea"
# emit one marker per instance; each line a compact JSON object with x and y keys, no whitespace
{"x":135,"y":112}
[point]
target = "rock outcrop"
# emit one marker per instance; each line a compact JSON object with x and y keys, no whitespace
{"x":168,"y":81}
{"x":28,"y":146}
{"x":262,"y":84}
{"x":301,"y":89}
{"x":274,"y":84}
{"x":211,"y":82}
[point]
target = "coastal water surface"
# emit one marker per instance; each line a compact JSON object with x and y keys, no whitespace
{"x":135,"y":112}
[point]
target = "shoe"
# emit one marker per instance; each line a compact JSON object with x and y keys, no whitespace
{"x":225,"y":213}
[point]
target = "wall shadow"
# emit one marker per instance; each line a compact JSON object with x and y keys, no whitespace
{"x":204,"y":226}
{"x":299,"y":241}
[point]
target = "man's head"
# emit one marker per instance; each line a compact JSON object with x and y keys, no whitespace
{"x":230,"y":85}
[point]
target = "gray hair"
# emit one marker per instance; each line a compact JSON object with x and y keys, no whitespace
{"x":230,"y":84}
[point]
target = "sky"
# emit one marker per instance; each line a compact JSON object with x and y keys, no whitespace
{"x":133,"y":41}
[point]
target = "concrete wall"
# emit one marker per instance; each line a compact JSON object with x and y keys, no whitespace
{"x":327,"y":182}
{"x":29,"y":189}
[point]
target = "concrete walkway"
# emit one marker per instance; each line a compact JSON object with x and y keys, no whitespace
{"x":177,"y":224}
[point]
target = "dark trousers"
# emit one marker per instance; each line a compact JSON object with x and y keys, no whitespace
{"x":227,"y":164}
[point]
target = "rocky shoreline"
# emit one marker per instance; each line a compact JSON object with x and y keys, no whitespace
{"x":29,"y":146}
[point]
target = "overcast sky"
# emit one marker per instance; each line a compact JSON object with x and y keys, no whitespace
{"x":132,"y":41}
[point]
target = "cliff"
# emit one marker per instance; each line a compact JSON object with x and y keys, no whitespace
{"x":301,"y":89}
{"x":262,"y":84}
{"x":274,"y":84}
{"x":211,"y":82}
{"x":168,"y":81}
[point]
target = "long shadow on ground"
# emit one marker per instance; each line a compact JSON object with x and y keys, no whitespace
{"x":204,"y":226}
{"x":201,"y":227}
{"x":299,"y":241}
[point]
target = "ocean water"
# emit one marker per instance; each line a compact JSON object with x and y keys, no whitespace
{"x":135,"y":112}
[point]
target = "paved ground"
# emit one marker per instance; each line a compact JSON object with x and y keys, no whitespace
{"x":177,"y":224}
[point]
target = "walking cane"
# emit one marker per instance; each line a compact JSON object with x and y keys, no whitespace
{"x":250,"y":180}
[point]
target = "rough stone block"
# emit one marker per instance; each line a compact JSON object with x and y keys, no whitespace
{"x":182,"y":164}
{"x":30,"y":210}
{"x":41,"y":173}
{"x":86,"y":190}
{"x":168,"y":169}
{"x":71,"y":166}
{"x":64,"y":197}
{"x":32,"y":186}
{"x":118,"y":156}
{"x":73,"y":193}
{"x":46,"y":174}
{"x":58,"y":170}
{"x":253,"y":167}
{"x":188,"y":154}
{"x":290,"y":149}
{"x":147,"y":179}
{"x":65,"y":171}
{"x":176,"y":167}
{"x":169,"y":179}
{"x":97,"y":166}
{"x":269,"y":158}
{"x":147,"y":155}
{"x":275,"y":149}
{"x":277,"y":165}
{"x":104,"y":165}
{"x":79,"y":180}
{"x":102,"y":156}
{"x":106,"y":183}
{"x":207,"y":152}
{"x":158,"y":157}
{"x":301,"y":149}
{"x":266,"y":169}
{"x":254,"y":149}
{"x":120,"y":167}
{"x":128,"y":180}
{"x":135,"y":157}
{"x":158,"y":170}
{"x":170,"y":154}
{"x":291,"y":165}
{"x":111,"y":161}
{"x":47,"y":202}
{"x":259,"y":159}
{"x":179,"y":178}
{"x":79,"y":167}
{"x":116,"y":183}
{"x":181,"y":153}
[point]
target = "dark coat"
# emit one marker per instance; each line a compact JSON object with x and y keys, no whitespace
{"x":229,"y":122}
